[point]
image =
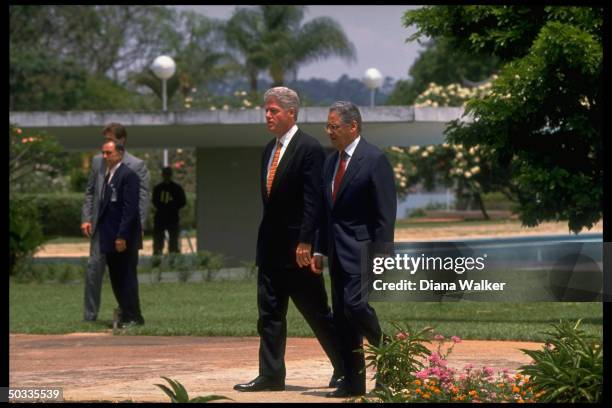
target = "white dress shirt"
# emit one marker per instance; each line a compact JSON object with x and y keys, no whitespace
{"x":284,"y":141}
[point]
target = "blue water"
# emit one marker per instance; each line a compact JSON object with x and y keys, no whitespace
{"x":420,"y":200}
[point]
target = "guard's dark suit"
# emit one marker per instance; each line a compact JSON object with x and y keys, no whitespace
{"x":168,"y":199}
{"x":118,"y":217}
{"x":291,"y":216}
{"x":364,"y":211}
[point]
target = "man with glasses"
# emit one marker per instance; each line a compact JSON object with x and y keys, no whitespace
{"x":359,"y":207}
{"x":89,"y":215}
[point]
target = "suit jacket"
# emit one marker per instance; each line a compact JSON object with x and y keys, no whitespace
{"x":118,"y":215}
{"x":365,"y":206}
{"x":291,"y":212}
{"x":91,"y":203}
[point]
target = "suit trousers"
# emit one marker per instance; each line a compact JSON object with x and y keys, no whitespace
{"x":354,"y":318}
{"x":96,"y":264}
{"x":307,"y":290}
{"x":159,"y":236}
{"x":122,"y":268}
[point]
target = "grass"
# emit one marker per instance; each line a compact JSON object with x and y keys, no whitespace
{"x":229,"y":308}
{"x":79,"y":240}
{"x":415,"y":223}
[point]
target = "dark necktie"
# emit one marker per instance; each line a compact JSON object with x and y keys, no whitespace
{"x":105,"y":184}
{"x":339,"y":174}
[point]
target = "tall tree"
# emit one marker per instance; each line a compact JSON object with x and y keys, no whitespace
{"x":543,"y":118}
{"x":272,"y":37}
{"x":443,"y":64}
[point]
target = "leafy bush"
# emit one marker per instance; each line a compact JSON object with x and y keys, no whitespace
{"x":403,"y":354}
{"x":25,"y":233}
{"x":211,"y":263}
{"x":410,"y":373}
{"x":59,"y":214}
{"x":178,"y":393}
{"x":569,"y":368}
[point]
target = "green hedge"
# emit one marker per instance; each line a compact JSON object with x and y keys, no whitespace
{"x":59,"y":214}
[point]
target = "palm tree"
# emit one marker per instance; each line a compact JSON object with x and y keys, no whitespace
{"x":272,"y":37}
{"x":200,"y":57}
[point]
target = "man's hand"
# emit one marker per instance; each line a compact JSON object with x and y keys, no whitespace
{"x":86,"y":228}
{"x":302,"y":254}
{"x":120,"y":245}
{"x":316,"y":264}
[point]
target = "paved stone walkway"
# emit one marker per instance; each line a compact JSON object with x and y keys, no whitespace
{"x":107,"y":367}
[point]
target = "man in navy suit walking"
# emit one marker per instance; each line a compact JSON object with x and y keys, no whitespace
{"x":359,"y":207}
{"x":120,"y":231}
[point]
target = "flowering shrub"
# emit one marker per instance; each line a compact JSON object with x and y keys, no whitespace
{"x":428,"y":378}
{"x":451,"y":95}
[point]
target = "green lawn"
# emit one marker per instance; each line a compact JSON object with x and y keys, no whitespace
{"x":415,"y":223}
{"x":229,"y":308}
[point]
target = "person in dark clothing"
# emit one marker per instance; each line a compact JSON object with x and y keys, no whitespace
{"x":168,"y":199}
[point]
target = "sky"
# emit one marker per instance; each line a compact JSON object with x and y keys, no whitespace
{"x":376,"y":31}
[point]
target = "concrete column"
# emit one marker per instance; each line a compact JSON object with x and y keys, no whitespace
{"x":228,"y":201}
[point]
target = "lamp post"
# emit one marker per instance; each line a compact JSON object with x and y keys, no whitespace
{"x":164,"y":67}
{"x":372,"y":79}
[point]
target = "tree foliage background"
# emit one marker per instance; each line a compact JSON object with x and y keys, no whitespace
{"x":542,"y":121}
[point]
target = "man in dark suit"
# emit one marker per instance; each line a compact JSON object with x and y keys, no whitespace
{"x":120,"y":231}
{"x":359,"y":207}
{"x":96,"y":263}
{"x":290,"y":189}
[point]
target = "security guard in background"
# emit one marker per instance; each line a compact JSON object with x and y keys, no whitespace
{"x":168,"y":199}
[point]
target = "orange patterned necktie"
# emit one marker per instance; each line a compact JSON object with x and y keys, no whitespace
{"x":273,"y":167}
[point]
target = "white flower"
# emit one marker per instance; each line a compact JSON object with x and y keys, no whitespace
{"x":431,"y":148}
{"x":225,"y":107}
{"x":475,"y":170}
{"x":213,"y":108}
{"x":476,"y":159}
{"x":424,"y":154}
{"x":246,"y":103}
{"x":459,"y":155}
{"x":584,"y":101}
{"x":413,"y":149}
{"x":435,"y":104}
{"x":467,"y":174}
{"x":445,"y":145}
{"x":517,"y":76}
{"x":396,"y":149}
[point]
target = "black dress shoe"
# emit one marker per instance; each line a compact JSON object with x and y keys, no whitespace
{"x":336,"y":380}
{"x":343,"y":392}
{"x":261,"y":384}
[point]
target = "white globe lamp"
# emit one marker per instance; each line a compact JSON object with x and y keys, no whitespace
{"x":372,"y":79}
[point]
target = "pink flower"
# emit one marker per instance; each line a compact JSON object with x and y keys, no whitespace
{"x":488,"y":371}
{"x":434,"y":357}
{"x":456,"y":339}
{"x":401,"y":336}
{"x":421,"y":375}
{"x":18,"y":131}
{"x":439,"y":337}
